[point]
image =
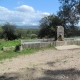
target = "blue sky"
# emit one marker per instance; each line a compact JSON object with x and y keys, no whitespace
{"x":26,"y":12}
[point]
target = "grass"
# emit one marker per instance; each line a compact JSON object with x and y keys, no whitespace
{"x":4,"y":43}
{"x":10,"y":54}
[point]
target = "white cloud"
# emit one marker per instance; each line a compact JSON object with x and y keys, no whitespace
{"x":22,"y":15}
{"x":46,"y":13}
{"x":25,"y":8}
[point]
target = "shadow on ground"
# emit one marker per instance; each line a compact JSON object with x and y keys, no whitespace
{"x":9,"y":76}
{"x":30,"y":74}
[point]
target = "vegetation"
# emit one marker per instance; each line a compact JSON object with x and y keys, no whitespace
{"x":4,"y":43}
{"x":10,"y":35}
{"x":68,"y":17}
{"x":70,"y":13}
{"x":48,"y":25}
{"x":10,"y":31}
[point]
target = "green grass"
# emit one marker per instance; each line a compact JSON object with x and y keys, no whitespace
{"x":11,"y":54}
{"x":4,"y":43}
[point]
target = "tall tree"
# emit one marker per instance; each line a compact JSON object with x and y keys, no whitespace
{"x":70,"y":13}
{"x":1,"y":31}
{"x":9,"y":31}
{"x":48,"y":25}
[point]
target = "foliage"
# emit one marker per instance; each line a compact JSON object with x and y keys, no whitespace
{"x":48,"y":25}
{"x":33,"y":36}
{"x":70,"y":13}
{"x":1,"y":31}
{"x":20,"y":32}
{"x":9,"y":31}
{"x":26,"y":33}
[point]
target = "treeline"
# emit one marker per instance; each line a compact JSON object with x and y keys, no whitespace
{"x":10,"y":31}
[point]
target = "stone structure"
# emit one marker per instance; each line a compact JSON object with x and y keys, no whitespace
{"x":59,"y":33}
{"x":35,"y":45}
{"x":8,"y":48}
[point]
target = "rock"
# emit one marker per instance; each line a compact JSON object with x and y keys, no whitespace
{"x":8,"y":48}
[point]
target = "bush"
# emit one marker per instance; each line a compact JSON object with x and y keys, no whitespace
{"x":33,"y":36}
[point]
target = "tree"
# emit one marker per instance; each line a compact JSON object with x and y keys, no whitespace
{"x":70,"y":13}
{"x":48,"y":25}
{"x":1,"y":31}
{"x":9,"y":31}
{"x":21,"y":33}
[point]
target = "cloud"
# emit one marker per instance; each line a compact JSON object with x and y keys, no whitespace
{"x":46,"y":13}
{"x":22,"y":15}
{"x":25,"y":8}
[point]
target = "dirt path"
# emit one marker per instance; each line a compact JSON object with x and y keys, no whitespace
{"x":43,"y":65}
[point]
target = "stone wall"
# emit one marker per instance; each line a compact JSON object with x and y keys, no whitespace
{"x":47,"y":44}
{"x":73,"y":42}
{"x":61,"y":43}
{"x":36,"y":45}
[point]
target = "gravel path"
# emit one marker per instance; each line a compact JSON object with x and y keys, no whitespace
{"x":43,"y":65}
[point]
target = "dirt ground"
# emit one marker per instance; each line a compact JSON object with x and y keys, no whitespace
{"x":43,"y":65}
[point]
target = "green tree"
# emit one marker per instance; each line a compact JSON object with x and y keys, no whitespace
{"x":1,"y":31}
{"x":70,"y":13}
{"x":48,"y":25}
{"x":9,"y":31}
{"x":21,"y":33}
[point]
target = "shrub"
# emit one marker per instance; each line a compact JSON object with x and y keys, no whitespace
{"x":33,"y":36}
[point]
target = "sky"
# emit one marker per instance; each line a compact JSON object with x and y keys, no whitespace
{"x":26,"y":12}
